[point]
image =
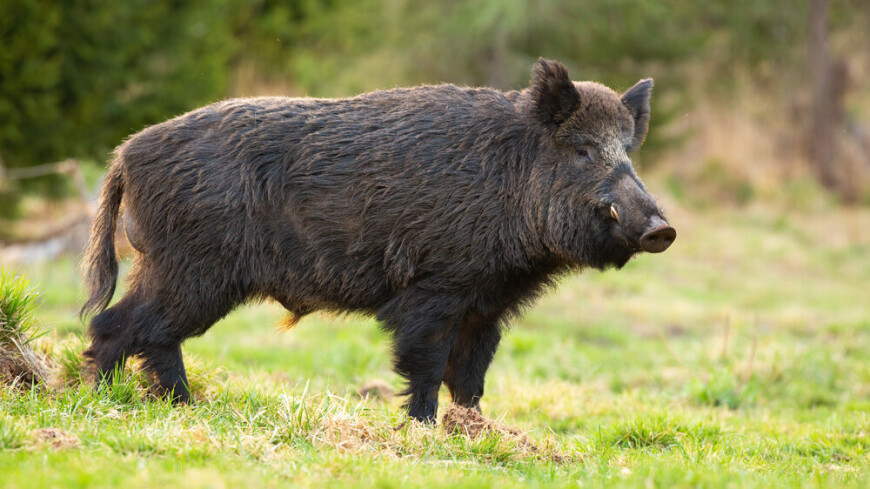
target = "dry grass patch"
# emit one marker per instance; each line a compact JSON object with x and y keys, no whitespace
{"x":458,"y":420}
{"x":55,"y":438}
{"x":464,"y":435}
{"x":20,"y":364}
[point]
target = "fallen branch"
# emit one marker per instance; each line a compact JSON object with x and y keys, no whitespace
{"x":69,"y":166}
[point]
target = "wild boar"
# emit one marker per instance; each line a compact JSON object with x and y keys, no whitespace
{"x":442,"y":210}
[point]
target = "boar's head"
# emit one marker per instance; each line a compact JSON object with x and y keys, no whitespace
{"x":593,"y":208}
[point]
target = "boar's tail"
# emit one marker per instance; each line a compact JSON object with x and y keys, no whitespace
{"x":100,"y":264}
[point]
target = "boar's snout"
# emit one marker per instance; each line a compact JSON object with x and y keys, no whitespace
{"x":658,"y":236}
{"x":638,"y":218}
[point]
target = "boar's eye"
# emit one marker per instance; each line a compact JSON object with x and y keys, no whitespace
{"x":585,"y":154}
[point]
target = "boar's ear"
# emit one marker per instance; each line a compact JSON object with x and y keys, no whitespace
{"x":553,"y":92}
{"x":636,"y":99}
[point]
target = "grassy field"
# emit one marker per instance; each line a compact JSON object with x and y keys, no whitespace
{"x":740,"y":357}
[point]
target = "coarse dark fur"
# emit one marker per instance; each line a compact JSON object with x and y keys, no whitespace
{"x":442,"y":210}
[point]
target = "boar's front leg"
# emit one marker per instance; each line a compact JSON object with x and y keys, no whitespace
{"x":424,"y":326}
{"x":469,"y":359}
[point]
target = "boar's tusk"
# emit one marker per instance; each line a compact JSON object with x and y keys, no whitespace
{"x":613,"y":212}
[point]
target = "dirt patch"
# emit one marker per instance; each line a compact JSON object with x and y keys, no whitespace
{"x":20,"y":365}
{"x":376,"y":389}
{"x":56,"y":438}
{"x":469,"y":422}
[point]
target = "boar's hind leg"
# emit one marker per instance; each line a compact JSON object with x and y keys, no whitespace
{"x":111,"y":342}
{"x":165,"y":323}
{"x":168,"y":366}
{"x":424,"y":328}
{"x":469,"y":359}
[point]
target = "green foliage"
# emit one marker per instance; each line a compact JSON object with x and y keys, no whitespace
{"x":76,"y":77}
{"x":8,"y":208}
{"x":30,"y":72}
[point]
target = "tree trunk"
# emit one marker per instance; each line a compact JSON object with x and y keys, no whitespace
{"x":828,"y":90}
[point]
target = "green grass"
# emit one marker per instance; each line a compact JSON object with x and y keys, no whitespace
{"x":738,"y":358}
{"x":17,"y":305}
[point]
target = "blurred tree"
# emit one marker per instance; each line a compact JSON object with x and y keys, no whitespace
{"x":29,"y":77}
{"x":77,"y":76}
{"x":829,"y":79}
{"x":822,"y":151}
